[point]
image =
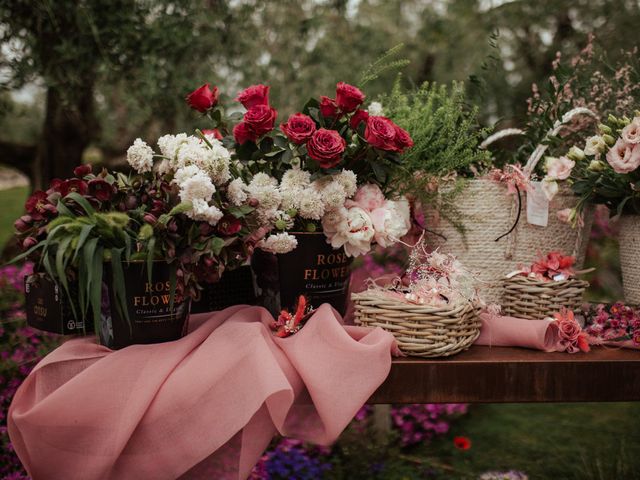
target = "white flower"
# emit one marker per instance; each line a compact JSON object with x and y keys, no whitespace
{"x":595,"y":145}
{"x":282,"y":220}
{"x":311,"y":204}
{"x":268,"y":197}
{"x":220,"y":158}
{"x":349,"y":182}
{"x":278,"y":243}
{"x":213,"y":160}
{"x":261,"y":179}
{"x":140,"y":156}
{"x":550,"y":188}
{"x":333,"y":195}
{"x":295,"y":179}
{"x":202,"y":211}
{"x":391,"y":222}
{"x":332,"y":220}
{"x":375,"y":109}
{"x":354,"y":232}
{"x":169,"y":144}
{"x":184,"y":173}
{"x":290,"y":199}
{"x":197,"y":187}
{"x":163,"y":167}
{"x":236,"y":192}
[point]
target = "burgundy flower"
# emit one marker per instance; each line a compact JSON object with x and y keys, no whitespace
{"x":229,"y":225}
{"x":65,"y":187}
{"x":254,"y":95}
{"x":260,"y":119}
{"x":242,"y":134}
{"x":101,"y":189}
{"x":348,"y":97}
{"x":403,"y":139}
{"x":82,"y":170}
{"x":36,"y":205}
{"x":23,"y":224}
{"x":299,"y":128}
{"x":328,"y":107}
{"x":150,"y":218}
{"x":381,"y":133}
{"x":203,"y":98}
{"x":326,"y":147}
{"x":157,"y":207}
{"x":29,"y":242}
{"x":358,"y":117}
{"x":213,"y":131}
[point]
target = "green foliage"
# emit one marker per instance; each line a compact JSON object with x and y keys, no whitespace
{"x":383,"y":64}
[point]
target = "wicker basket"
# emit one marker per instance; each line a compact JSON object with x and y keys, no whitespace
{"x":486,"y":212}
{"x":630,"y":257}
{"x":420,"y":330}
{"x":534,"y":299}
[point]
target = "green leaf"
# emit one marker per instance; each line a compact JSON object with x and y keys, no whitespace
{"x":216,"y":245}
{"x":240,"y":211}
{"x":80,"y":200}
{"x":118,"y":286}
{"x":84,"y":234}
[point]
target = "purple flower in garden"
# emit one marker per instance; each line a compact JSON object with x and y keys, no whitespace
{"x":421,"y":422}
{"x":292,"y":459}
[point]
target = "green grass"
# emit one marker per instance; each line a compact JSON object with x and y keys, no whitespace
{"x":11,"y":207}
{"x":593,"y":441}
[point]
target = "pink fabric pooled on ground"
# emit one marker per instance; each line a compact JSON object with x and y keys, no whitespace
{"x":205,"y":406}
{"x":500,"y":331}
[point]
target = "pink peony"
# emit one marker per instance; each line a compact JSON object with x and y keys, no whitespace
{"x":391,"y":221}
{"x":352,"y":230}
{"x":369,"y":197}
{"x":559,"y":168}
{"x":624,"y":157}
{"x":631,"y":133}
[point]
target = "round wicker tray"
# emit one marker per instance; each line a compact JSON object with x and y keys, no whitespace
{"x":420,"y":330}
{"x":525,"y":297}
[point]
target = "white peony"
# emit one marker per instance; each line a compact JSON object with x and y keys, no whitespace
{"x":140,"y":156}
{"x":311,"y":204}
{"x":236,"y":192}
{"x":202,"y":211}
{"x":375,"y":109}
{"x":391,"y":222}
{"x":295,"y":179}
{"x":349,"y":182}
{"x":197,"y":187}
{"x":278,"y":243}
{"x":595,"y":145}
{"x":355,"y":232}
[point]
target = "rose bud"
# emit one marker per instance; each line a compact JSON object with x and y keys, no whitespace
{"x":253,"y":202}
{"x":29,"y":242}
{"x":205,"y":229}
{"x":23,"y":223}
{"x":101,"y":189}
{"x":203,"y":98}
{"x":150,"y":218}
{"x":214,"y":132}
{"x":254,"y":95}
{"x":348,"y":97}
{"x":328,"y":107}
{"x":82,"y":170}
{"x":157,"y":207}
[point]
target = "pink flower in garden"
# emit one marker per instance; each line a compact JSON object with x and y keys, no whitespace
{"x":624,"y":157}
{"x":631,"y":133}
{"x":559,"y":168}
{"x":328,"y":107}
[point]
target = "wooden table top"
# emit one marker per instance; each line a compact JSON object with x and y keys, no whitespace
{"x":505,"y":374}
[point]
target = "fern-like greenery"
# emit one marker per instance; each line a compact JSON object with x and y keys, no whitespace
{"x":385,"y":63}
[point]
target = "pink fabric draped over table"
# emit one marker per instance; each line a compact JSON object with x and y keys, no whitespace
{"x":205,"y":406}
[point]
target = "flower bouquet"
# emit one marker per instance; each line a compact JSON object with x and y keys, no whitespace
{"x":129,"y":251}
{"x":616,"y":324}
{"x":543,"y":288}
{"x":316,"y":191}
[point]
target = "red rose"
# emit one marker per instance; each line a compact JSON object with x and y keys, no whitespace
{"x":203,"y":98}
{"x":381,"y":133}
{"x":348,"y":97}
{"x":82,"y":170}
{"x":254,"y":95}
{"x":213,"y":131}
{"x":260,"y":119}
{"x":328,"y":107}
{"x":462,"y":443}
{"x":101,"y":189}
{"x":242,"y":134}
{"x":326,"y":147}
{"x":229,"y":225}
{"x":299,"y":128}
{"x":403,"y":139}
{"x":358,"y":117}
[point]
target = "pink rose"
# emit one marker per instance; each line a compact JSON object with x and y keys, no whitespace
{"x":559,"y":168}
{"x":564,"y":215}
{"x":624,"y":157}
{"x":203,"y":98}
{"x":348,"y":97}
{"x":299,"y":128}
{"x":569,"y":330}
{"x":369,"y":197}
{"x":326,"y":147}
{"x":242,"y":134}
{"x":381,"y":133}
{"x":260,"y":119}
{"x":254,"y":95}
{"x":631,"y":133}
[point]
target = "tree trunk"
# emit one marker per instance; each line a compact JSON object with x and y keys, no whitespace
{"x":69,"y":127}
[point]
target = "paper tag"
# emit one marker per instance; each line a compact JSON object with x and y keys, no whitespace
{"x":537,"y":206}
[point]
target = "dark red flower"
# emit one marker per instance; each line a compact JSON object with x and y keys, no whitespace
{"x":29,"y":242}
{"x":462,"y":443}
{"x":65,"y":187}
{"x":299,"y":128}
{"x":82,"y":170}
{"x":242,"y":134}
{"x":24,"y":223}
{"x":203,"y":98}
{"x":101,"y":189}
{"x":213,"y":131}
{"x":357,"y":118}
{"x":37,"y":205}
{"x":260,"y":119}
{"x":254,"y":95}
{"x":381,"y":133}
{"x":328,"y":107}
{"x":348,"y":97}
{"x":403,"y":139}
{"x":229,"y":225}
{"x":158,"y":207}
{"x":326,"y":147}
{"x":150,"y":218}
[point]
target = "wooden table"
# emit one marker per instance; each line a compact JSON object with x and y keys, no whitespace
{"x":501,"y":374}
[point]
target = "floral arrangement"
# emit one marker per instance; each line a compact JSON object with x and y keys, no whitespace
{"x":572,"y":338}
{"x":287,"y":324}
{"x":552,"y":267}
{"x":417,"y":423}
{"x":327,"y":168}
{"x":613,"y":323}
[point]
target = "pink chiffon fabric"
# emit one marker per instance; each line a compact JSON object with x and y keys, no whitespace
{"x":204,"y":406}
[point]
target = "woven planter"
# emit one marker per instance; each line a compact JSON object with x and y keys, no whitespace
{"x":534,"y":299}
{"x":630,"y":257}
{"x":486,"y":212}
{"x":420,"y":330}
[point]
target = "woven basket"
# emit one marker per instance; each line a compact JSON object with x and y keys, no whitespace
{"x":420,"y":330}
{"x":486,"y":212}
{"x":630,"y":257}
{"x":534,"y":299}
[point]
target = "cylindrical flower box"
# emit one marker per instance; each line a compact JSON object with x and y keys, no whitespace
{"x":313,"y":269}
{"x":234,"y":288}
{"x":630,"y":257}
{"x":152,"y":317}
